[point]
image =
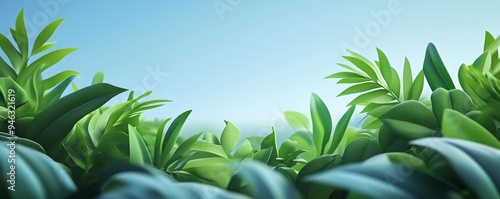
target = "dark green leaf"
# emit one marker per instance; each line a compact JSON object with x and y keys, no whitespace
{"x":435,"y":70}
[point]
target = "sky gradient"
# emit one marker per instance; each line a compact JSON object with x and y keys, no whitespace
{"x":249,"y":61}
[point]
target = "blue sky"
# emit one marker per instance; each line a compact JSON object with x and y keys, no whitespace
{"x":251,"y":60}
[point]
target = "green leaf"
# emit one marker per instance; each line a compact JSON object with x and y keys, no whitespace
{"x":182,"y":149}
{"x":305,"y":141}
{"x":51,"y":126}
{"x":98,"y":78}
{"x":457,"y":125}
{"x":319,"y":164}
{"x":395,"y":83}
{"x":257,"y":177}
{"x":171,"y":136}
{"x":360,"y":149}
{"x":202,"y":145}
{"x":244,"y":150}
{"x":43,"y":63}
{"x":45,"y":34}
{"x":270,"y":142}
{"x":376,"y":96}
{"x":139,"y":153}
{"x":420,"y":123}
{"x":340,"y":129}
{"x":229,"y":138}
{"x":471,"y":173}
{"x":343,"y":75}
{"x":44,"y":48}
{"x":321,"y":122}
{"x":21,"y":35}
{"x":351,"y":80}
{"x":358,"y":88}
{"x":435,"y":70}
{"x":6,"y":83}
{"x":363,"y":66}
{"x":6,"y":70}
{"x":385,"y":67}
{"x":417,"y":86}
{"x":11,"y":52}
{"x":297,"y":121}
{"x":55,"y":94}
{"x":58,"y":78}
{"x":407,"y":79}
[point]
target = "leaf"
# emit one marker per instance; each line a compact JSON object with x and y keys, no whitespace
{"x":360,"y":149}
{"x":45,"y":34}
{"x":43,"y":48}
{"x":171,"y":135}
{"x":375,"y":96}
{"x":351,"y":80}
{"x":6,"y":70}
{"x":44,"y":62}
{"x":11,"y":52}
{"x":321,"y":122}
{"x":207,"y":147}
{"x":51,"y":126}
{"x":340,"y":129}
{"x":417,"y":86}
{"x":98,"y":78}
{"x":55,"y":94}
{"x":407,"y":79}
{"x":363,"y":66}
{"x":182,"y":149}
{"x":257,"y":176}
{"x":244,"y":150}
{"x":344,"y":75}
{"x":395,"y":83}
{"x":457,"y":125}
{"x":363,"y":87}
{"x":21,"y":35}
{"x":58,"y":78}
{"x":229,"y":138}
{"x":319,"y":164}
{"x":471,"y":173}
{"x":296,"y":120}
{"x":385,"y":67}
{"x":270,"y":142}
{"x":420,"y":123}
{"x":139,"y":153}
{"x":435,"y":70}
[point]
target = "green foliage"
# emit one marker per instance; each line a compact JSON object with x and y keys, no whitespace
{"x":378,"y":85}
{"x":41,"y":113}
{"x":445,"y":146}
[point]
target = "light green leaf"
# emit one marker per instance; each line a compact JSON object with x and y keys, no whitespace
{"x":407,"y":79}
{"x":363,"y":87}
{"x":229,"y":138}
{"x":58,"y":78}
{"x":417,"y":86}
{"x":321,"y":122}
{"x":457,"y":125}
{"x":340,"y":129}
{"x":98,"y":78}
{"x":171,"y":136}
{"x":376,"y":96}
{"x":139,"y":153}
{"x":363,"y":66}
{"x":297,"y":121}
{"x":45,"y":34}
